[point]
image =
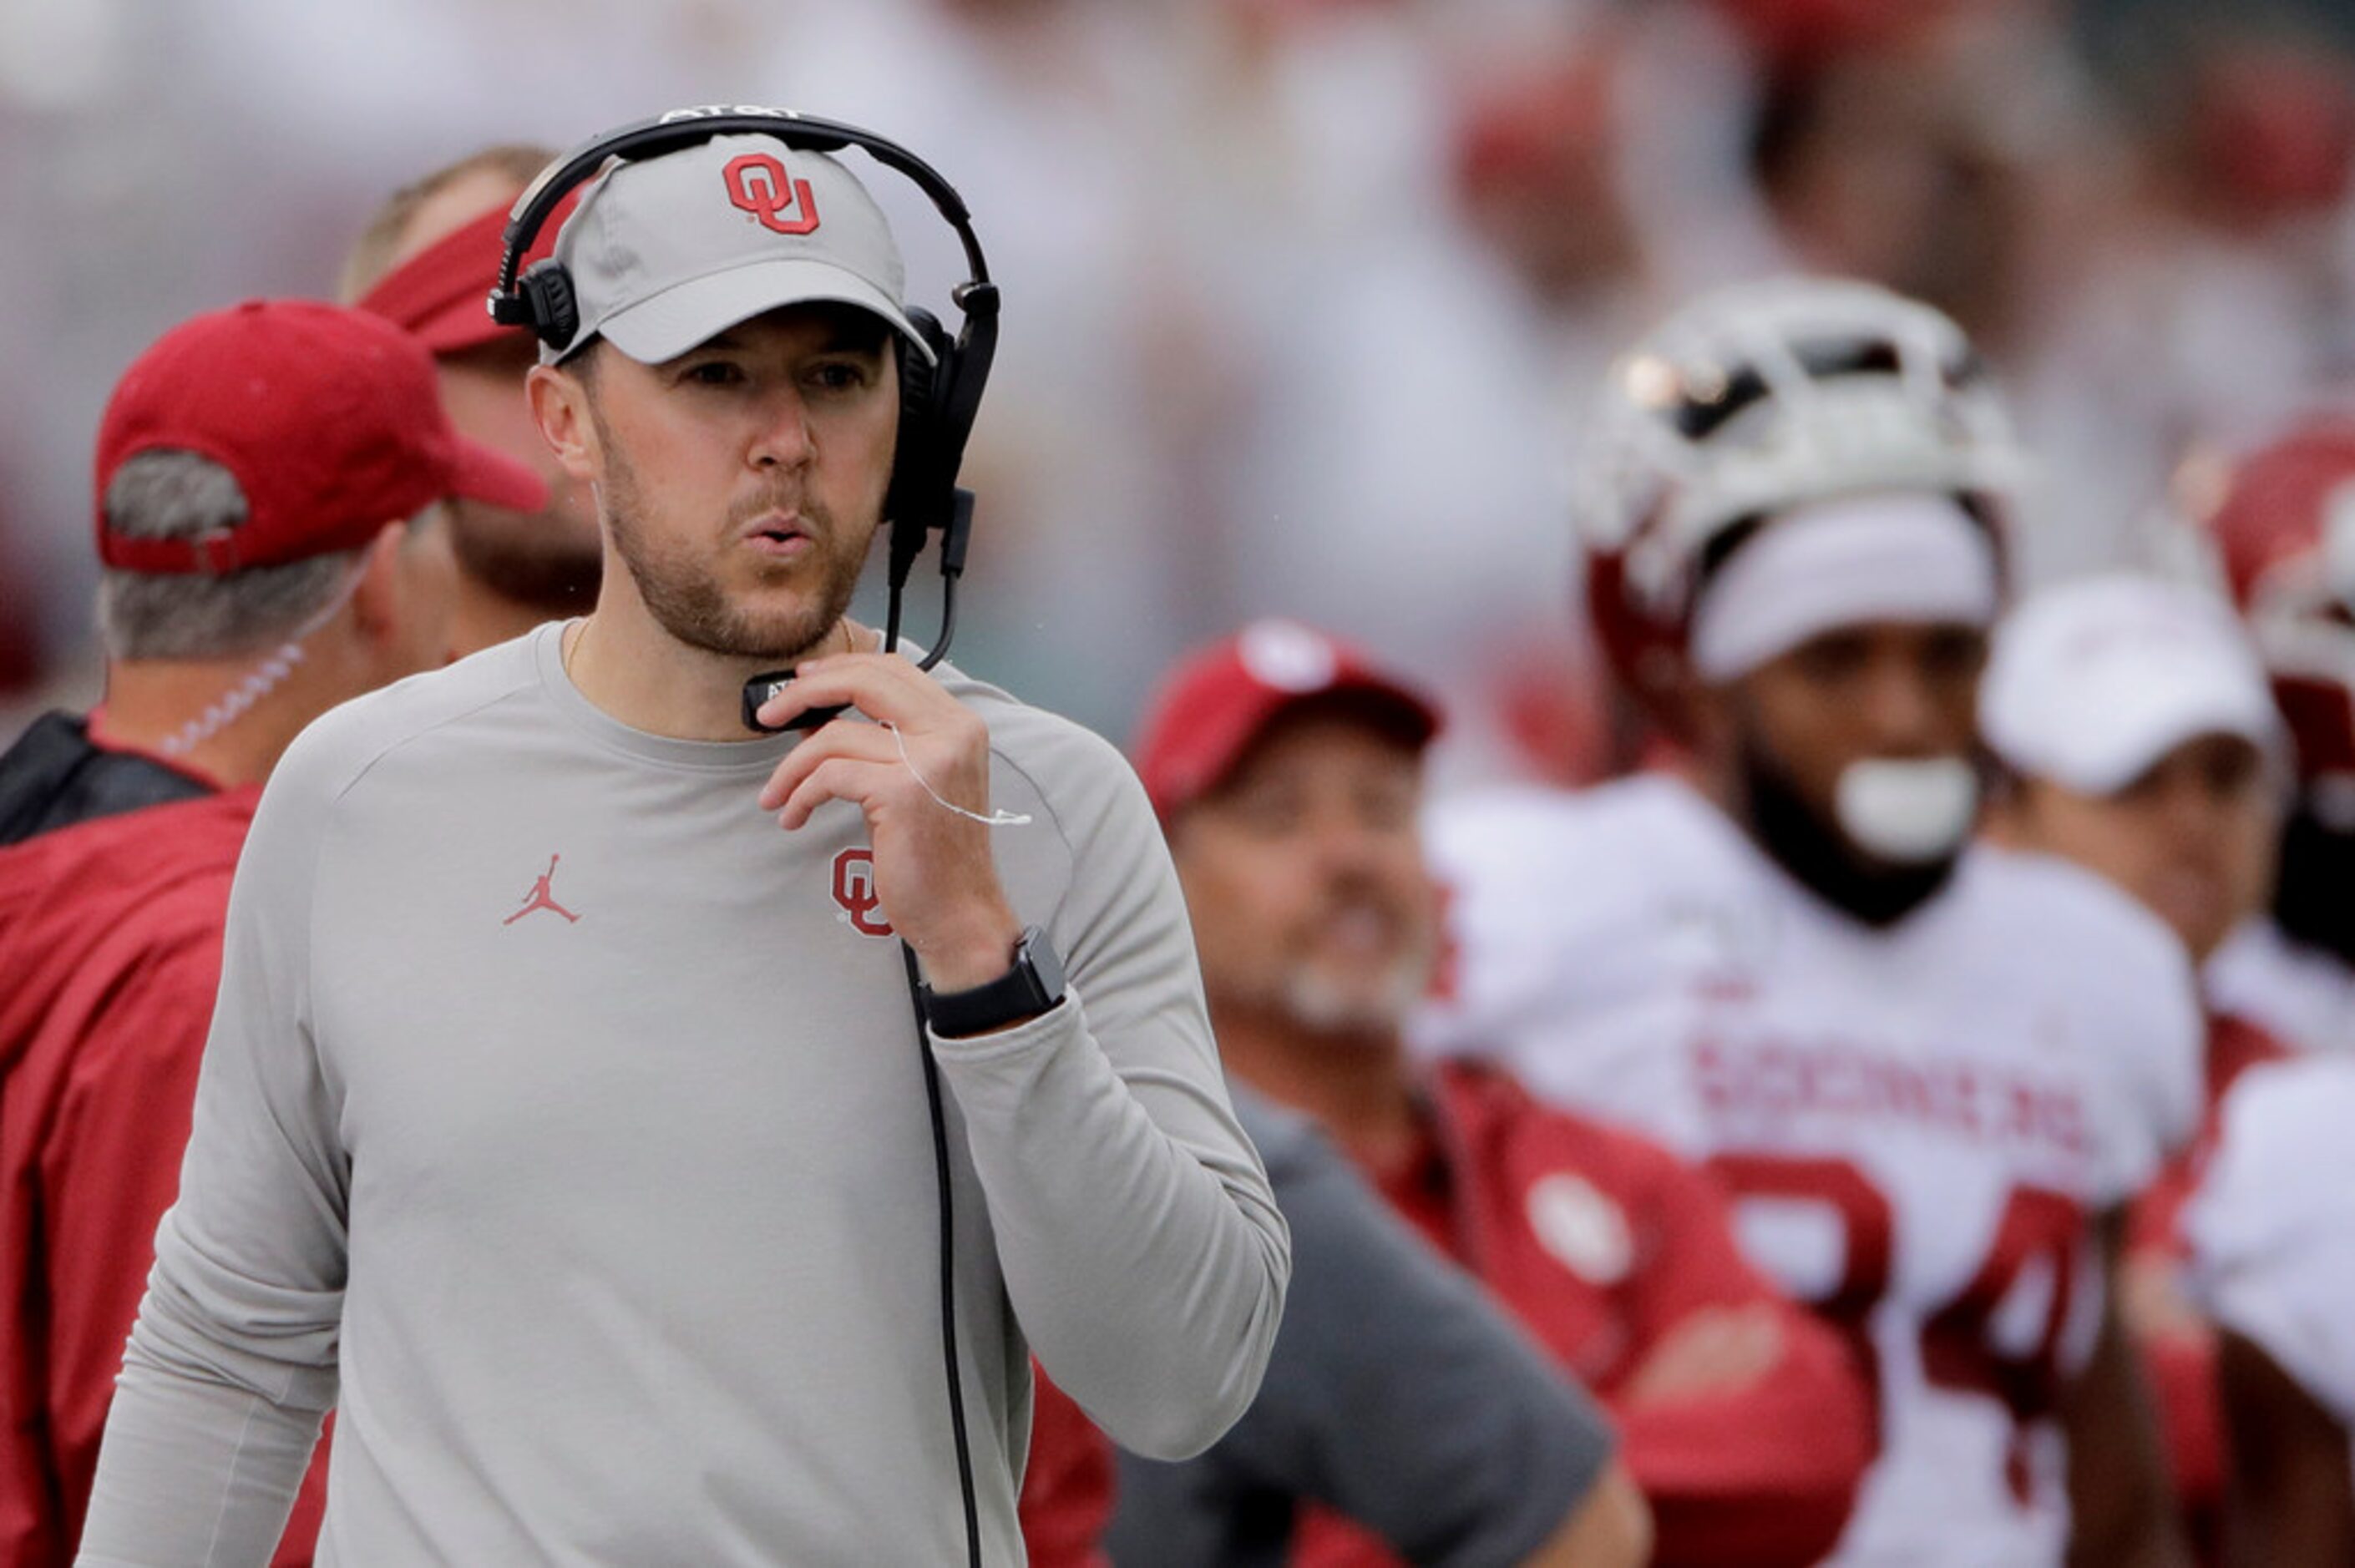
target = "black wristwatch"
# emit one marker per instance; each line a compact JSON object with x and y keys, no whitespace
{"x":1033,"y":985}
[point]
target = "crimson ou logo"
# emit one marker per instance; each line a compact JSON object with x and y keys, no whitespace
{"x":758,"y":184}
{"x":854,"y":889}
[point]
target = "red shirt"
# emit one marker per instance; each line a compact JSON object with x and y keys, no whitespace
{"x":110,"y":955}
{"x":1602,"y":1243}
{"x":2179,"y":1356}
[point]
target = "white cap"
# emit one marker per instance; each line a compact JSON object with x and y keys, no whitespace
{"x":668,"y":252}
{"x":2093,"y":681}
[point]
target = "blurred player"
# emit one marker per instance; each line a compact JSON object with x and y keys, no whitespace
{"x":1289,"y":774}
{"x":427,"y":261}
{"x":2140,"y":740}
{"x":1934,"y":1075}
{"x":2273,"y":1232}
{"x":2283,"y":530}
{"x":271,"y":482}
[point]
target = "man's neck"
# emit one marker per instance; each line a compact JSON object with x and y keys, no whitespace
{"x":635,"y":672}
{"x":1356,"y":1088}
{"x":150,"y":705}
{"x":481,"y":616}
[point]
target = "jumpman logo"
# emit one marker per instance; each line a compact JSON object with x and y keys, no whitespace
{"x":539,"y":897}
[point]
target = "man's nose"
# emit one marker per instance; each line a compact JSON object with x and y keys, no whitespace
{"x":1902,"y":712}
{"x":1346,"y":844}
{"x":2193,"y":811}
{"x":783,"y":438}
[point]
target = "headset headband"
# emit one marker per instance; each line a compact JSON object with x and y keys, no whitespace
{"x":679,"y":128}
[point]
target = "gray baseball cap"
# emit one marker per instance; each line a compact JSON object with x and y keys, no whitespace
{"x":668,"y":252}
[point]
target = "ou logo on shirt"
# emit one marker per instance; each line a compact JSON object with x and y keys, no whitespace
{"x":854,"y":889}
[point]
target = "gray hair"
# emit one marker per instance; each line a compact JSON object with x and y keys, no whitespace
{"x":178,"y":495}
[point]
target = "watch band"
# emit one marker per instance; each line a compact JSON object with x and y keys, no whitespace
{"x":1031,"y":987}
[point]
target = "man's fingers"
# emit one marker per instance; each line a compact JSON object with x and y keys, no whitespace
{"x":835,"y":778}
{"x":881,"y":685}
{"x":842,"y":737}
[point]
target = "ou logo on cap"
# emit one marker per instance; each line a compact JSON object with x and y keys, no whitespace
{"x":1287,"y":656}
{"x":757,"y":183}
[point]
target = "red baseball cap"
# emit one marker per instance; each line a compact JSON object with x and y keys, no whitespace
{"x":1219,"y":699}
{"x":443,"y":293}
{"x":330,"y":419}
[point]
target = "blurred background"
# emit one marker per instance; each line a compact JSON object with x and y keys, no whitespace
{"x":1303,"y":297}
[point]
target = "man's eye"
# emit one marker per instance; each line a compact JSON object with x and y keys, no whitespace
{"x":715,"y":373}
{"x":1833,"y":658}
{"x":1267,"y":813}
{"x":838,"y":375}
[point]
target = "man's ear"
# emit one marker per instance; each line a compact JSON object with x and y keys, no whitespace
{"x":559,"y":406}
{"x":376,"y":602}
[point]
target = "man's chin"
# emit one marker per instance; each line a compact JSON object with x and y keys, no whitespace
{"x":775,"y":622}
{"x":770,"y":642}
{"x":1358,"y":1008}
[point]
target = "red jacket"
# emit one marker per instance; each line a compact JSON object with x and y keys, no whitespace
{"x":110,"y":955}
{"x":1601,"y":1243}
{"x":1068,"y":1487}
{"x":2178,"y":1357}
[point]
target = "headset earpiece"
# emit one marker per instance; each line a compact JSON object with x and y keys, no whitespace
{"x":919,"y":497}
{"x":547,"y":290}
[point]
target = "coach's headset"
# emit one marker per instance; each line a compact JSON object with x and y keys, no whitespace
{"x":937,"y":401}
{"x":937,"y":405}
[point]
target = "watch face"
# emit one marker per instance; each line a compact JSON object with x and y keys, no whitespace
{"x":1045,"y":965}
{"x":1032,"y":986}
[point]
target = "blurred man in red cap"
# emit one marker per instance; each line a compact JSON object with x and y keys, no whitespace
{"x":427,"y":261}
{"x":271,"y":485}
{"x":1288,"y":771}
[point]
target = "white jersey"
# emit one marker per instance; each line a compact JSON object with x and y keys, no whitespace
{"x":2300,"y":995}
{"x":1917,"y":1120}
{"x":2273,"y":1227}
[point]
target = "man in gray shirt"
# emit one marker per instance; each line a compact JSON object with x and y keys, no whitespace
{"x":1399,"y":1397}
{"x":560,"y":1123}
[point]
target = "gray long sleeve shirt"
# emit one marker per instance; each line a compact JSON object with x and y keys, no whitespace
{"x":566,"y":1116}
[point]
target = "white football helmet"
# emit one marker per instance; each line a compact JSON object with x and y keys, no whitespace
{"x":1762,"y":396}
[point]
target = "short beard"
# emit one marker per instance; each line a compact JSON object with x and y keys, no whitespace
{"x":687,"y":603}
{"x":527,"y":559}
{"x":1817,"y":854}
{"x":1379,"y":1013}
